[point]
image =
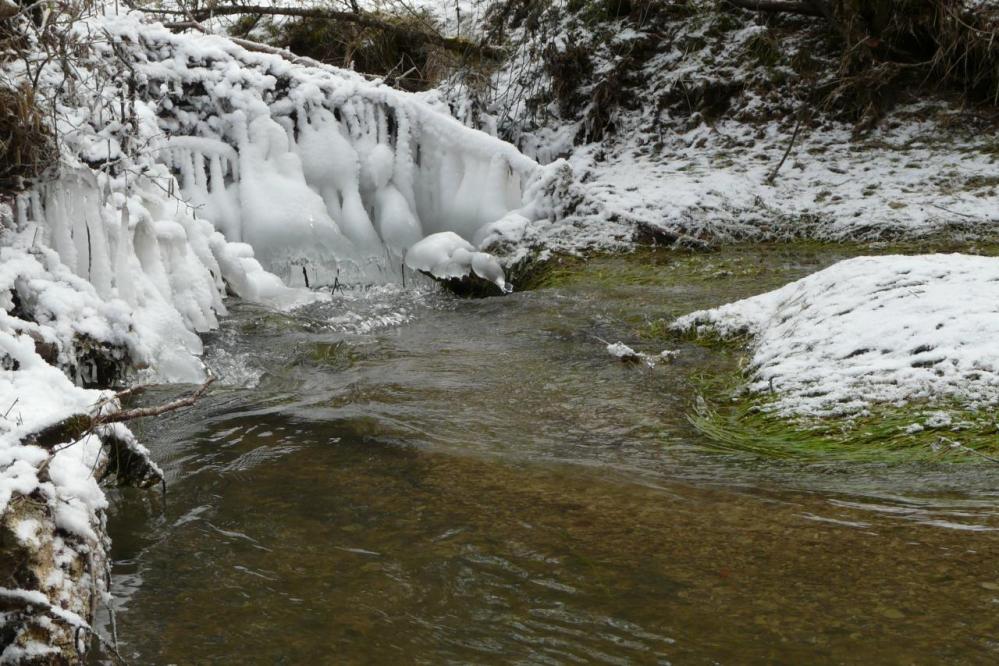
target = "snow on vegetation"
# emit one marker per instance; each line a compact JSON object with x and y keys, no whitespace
{"x":677,"y":115}
{"x":626,"y":354}
{"x":869,"y":330}
{"x":447,"y":255}
{"x":317,"y":169}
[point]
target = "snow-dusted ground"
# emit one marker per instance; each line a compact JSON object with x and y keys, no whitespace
{"x":191,"y":167}
{"x":672,"y":159}
{"x":908,"y":181}
{"x":870,"y":330}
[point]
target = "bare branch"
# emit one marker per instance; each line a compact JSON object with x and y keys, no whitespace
{"x":141,"y":412}
{"x":250,"y":45}
{"x":76,"y":426}
{"x":803,"y":7}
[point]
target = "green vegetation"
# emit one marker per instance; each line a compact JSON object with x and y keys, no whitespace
{"x":764,"y":264}
{"x":885,"y":433}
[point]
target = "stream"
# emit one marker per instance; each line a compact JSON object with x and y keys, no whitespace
{"x":400,"y":476}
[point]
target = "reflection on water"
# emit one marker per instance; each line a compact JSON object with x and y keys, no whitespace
{"x":400,"y":477}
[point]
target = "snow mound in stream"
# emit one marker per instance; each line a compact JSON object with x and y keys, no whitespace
{"x":871,"y":329}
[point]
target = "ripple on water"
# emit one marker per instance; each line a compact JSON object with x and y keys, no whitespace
{"x":396,"y":476}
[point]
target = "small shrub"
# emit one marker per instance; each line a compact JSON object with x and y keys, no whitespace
{"x":404,"y":60}
{"x":27,"y":147}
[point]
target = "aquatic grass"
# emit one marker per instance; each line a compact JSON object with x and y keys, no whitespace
{"x":763,"y":264}
{"x":883,"y":433}
{"x":336,"y":355}
{"x":728,"y":417}
{"x":731,"y":418}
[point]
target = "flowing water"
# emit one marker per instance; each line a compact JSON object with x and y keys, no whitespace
{"x":398,"y":476}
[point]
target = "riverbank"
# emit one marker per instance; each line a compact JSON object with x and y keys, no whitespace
{"x":199,"y":170}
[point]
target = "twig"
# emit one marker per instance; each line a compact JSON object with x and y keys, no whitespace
{"x":129,"y":392}
{"x":967,"y":449}
{"x":952,"y":212}
{"x":773,"y":174}
{"x":142,"y":412}
{"x":789,"y":6}
{"x":5,"y":414}
{"x":73,"y":428}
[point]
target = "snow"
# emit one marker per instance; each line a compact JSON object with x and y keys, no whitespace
{"x":316,"y":168}
{"x":190,"y":169}
{"x":871,"y":330}
{"x":624,"y":353}
{"x":621,"y":351}
{"x":927,"y":167}
{"x":908,"y":182}
{"x":447,"y":255}
{"x":235,"y":172}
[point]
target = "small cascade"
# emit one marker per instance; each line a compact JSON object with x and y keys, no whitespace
{"x":323,"y":173}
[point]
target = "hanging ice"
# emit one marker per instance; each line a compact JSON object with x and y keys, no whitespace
{"x":318,"y":169}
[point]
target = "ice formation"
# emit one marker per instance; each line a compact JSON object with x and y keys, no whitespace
{"x":447,"y":255}
{"x":871,"y":329}
{"x":317,"y":169}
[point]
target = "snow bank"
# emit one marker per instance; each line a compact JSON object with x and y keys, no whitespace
{"x":872,"y":329}
{"x":51,"y":506}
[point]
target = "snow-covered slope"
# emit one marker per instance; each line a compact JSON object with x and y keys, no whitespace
{"x":678,"y":115}
{"x":872,"y":329}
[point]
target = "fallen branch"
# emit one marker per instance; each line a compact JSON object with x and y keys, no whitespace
{"x":258,"y":47}
{"x":958,"y":446}
{"x":952,"y":212}
{"x":141,"y":412}
{"x":76,"y":426}
{"x":790,"y":145}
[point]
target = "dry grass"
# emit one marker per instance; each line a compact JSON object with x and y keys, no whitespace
{"x":897,"y":49}
{"x":27,"y":146}
{"x":400,"y":57}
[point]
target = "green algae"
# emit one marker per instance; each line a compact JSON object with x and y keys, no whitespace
{"x":882,"y":433}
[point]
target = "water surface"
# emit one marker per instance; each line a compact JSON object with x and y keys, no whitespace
{"x":398,"y":476}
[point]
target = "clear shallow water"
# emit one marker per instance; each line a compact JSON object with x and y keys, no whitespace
{"x":398,"y":476}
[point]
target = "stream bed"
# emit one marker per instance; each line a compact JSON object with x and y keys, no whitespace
{"x":399,"y":476}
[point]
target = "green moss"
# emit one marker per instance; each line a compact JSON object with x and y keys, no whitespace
{"x":883,"y":434}
{"x":762,"y":264}
{"x":730,"y":418}
{"x":334,"y":355}
{"x":651,"y":286}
